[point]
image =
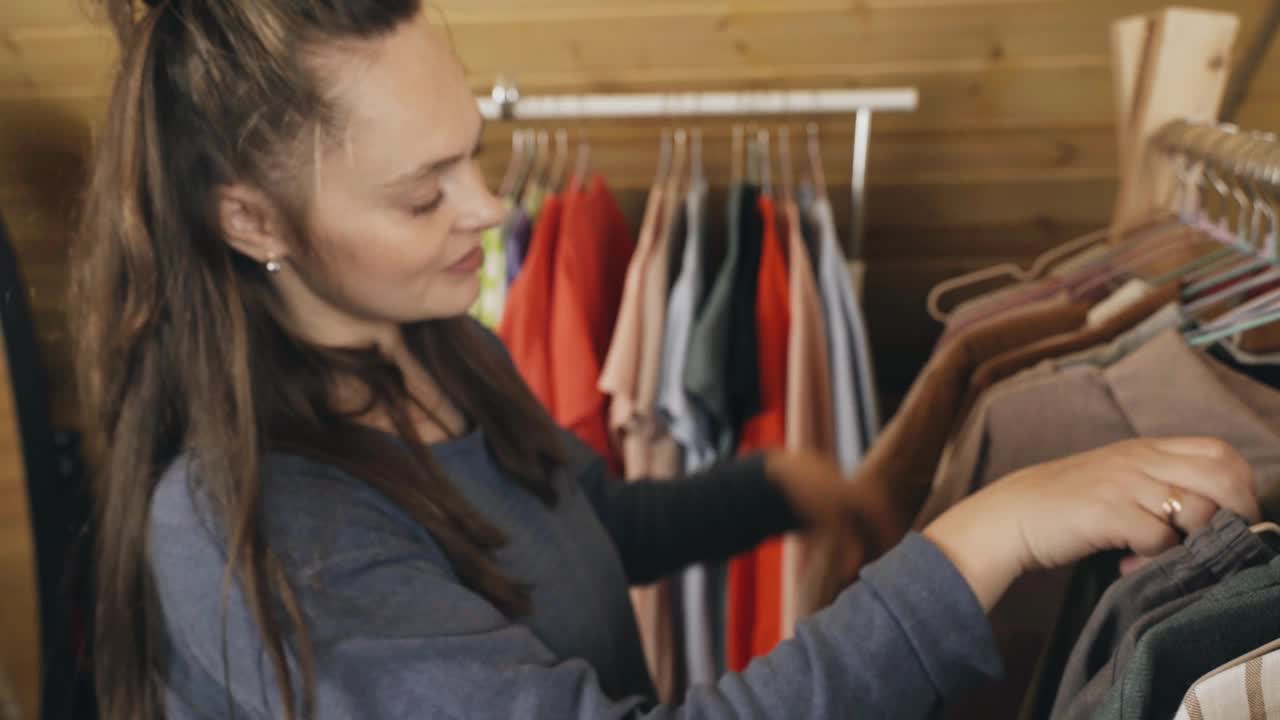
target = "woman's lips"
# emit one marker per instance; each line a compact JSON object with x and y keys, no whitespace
{"x":469,"y":263}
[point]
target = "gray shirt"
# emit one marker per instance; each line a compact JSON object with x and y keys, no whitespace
{"x":1231,"y":619}
{"x":857,"y":407}
{"x":690,"y":429}
{"x":397,"y":635}
{"x":1206,"y":558}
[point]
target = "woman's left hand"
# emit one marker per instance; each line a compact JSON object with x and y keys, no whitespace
{"x":847,"y":527}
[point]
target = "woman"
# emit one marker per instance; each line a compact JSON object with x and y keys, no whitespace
{"x":326,"y":493}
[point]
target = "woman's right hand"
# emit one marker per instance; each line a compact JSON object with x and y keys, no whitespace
{"x":1109,"y":499}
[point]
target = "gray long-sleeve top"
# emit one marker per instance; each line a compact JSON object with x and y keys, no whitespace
{"x":396,"y":635}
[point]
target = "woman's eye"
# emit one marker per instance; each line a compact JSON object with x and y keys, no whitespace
{"x":429,"y":206}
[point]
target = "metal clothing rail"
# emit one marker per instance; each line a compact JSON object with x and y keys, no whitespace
{"x":506,"y":103}
{"x":1219,"y":150}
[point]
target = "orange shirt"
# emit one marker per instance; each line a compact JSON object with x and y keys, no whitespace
{"x":590,"y":267}
{"x":755,"y":578}
{"x":525,"y":325}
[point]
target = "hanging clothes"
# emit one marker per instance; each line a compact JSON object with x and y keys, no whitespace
{"x":525,"y":326}
{"x":1085,"y":407}
{"x":1011,"y":362}
{"x":755,"y":611}
{"x":724,"y":334}
{"x":1049,"y":416}
{"x":590,"y":265}
{"x":619,"y":378}
{"x":700,"y":601}
{"x":1206,"y":558}
{"x":810,"y":419}
{"x":648,"y":449}
{"x":651,"y":446}
{"x":675,"y":404}
{"x":898,"y":470}
{"x":493,"y":275}
{"x":855,"y":399}
{"x":1232,"y":619}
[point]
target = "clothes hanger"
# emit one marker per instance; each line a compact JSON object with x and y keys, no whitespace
{"x":1262,"y":310}
{"x":664,"y":157}
{"x":815,"y":161}
{"x":766,"y":163}
{"x":1256,"y":305}
{"x":1169,"y":231}
{"x":697,"y":173}
{"x":525,"y":176}
{"x":1236,"y":289}
{"x":1265,"y":528}
{"x":679,"y":162}
{"x":1143,"y":241}
{"x":1051,"y":257}
{"x":1039,"y":268}
{"x":560,"y":167}
{"x":736,"y":171}
{"x":545,"y":160}
{"x":1252,"y":212}
{"x":788,"y":172}
{"x":753,"y":157}
{"x":507,"y":186}
{"x":1179,"y":141}
{"x":583,"y":163}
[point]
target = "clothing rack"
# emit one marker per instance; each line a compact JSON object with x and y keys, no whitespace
{"x":1247,"y":155}
{"x":1234,"y":165}
{"x":506,"y":103}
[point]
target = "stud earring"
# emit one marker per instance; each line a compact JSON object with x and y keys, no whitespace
{"x":274,"y":266}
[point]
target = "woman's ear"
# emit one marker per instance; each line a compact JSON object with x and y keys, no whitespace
{"x":251,"y":223}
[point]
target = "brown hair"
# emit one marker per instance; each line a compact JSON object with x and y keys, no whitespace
{"x":181,"y":350}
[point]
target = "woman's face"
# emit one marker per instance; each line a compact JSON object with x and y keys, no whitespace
{"x":398,"y":205}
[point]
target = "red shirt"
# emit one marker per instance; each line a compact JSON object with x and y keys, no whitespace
{"x":755,"y":578}
{"x":526,"y":318}
{"x":590,"y":268}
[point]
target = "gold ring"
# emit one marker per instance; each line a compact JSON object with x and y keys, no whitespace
{"x":1171,"y":507}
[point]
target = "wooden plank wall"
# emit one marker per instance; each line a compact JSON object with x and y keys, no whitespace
{"x":1012,"y":148}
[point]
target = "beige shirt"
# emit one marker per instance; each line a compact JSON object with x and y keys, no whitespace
{"x":619,"y":375}
{"x":620,"y":378}
{"x":810,"y":420}
{"x":647,"y":442}
{"x":649,"y":451}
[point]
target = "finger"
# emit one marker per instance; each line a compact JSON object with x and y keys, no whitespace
{"x":1191,"y":512}
{"x":1148,"y":535}
{"x":1131,"y":564}
{"x":1185,"y":511}
{"x":1205,"y":447}
{"x":1227,"y":480}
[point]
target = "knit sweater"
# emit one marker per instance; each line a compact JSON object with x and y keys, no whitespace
{"x":395,"y":633}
